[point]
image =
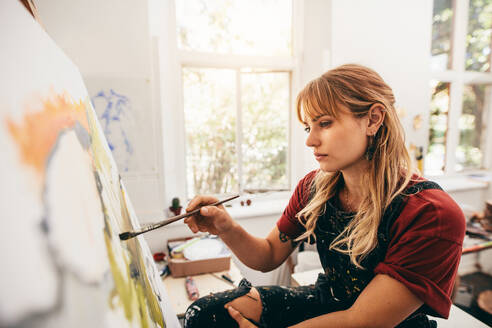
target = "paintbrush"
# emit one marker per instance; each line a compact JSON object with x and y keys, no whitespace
{"x":153,"y":226}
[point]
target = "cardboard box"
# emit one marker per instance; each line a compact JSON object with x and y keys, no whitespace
{"x":183,"y":267}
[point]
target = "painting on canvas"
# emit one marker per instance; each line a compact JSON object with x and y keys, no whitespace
{"x":62,"y":200}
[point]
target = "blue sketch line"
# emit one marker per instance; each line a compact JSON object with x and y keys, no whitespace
{"x":117,"y":105}
{"x":128,"y":146}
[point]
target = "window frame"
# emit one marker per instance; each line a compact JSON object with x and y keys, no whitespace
{"x":175,"y":184}
{"x":458,"y":77}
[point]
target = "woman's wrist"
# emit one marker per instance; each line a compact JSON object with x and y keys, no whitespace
{"x":229,"y":233}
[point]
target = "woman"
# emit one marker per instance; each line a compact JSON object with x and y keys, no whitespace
{"x":389,"y":241}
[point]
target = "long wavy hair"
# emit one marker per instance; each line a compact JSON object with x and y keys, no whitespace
{"x":389,"y":169}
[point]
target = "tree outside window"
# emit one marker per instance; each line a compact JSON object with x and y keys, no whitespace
{"x":236,"y":116}
{"x":463,"y":133}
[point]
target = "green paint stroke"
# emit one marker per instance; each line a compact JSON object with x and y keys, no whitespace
{"x":138,"y":257}
{"x":133,"y":289}
{"x":135,"y":298}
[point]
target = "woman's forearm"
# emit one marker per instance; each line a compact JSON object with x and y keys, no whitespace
{"x":341,"y":319}
{"x":254,"y":252}
{"x":385,"y":302}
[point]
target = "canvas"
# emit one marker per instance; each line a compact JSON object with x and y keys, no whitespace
{"x":62,"y":202}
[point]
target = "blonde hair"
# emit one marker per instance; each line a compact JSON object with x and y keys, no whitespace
{"x":389,"y":171}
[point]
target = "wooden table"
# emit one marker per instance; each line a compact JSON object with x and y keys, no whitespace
{"x":206,"y":283}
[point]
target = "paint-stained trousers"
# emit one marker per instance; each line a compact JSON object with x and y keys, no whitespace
{"x":282,"y":307}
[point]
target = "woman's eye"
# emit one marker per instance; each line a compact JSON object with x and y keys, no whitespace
{"x":324,"y":124}
{"x":307,"y":129}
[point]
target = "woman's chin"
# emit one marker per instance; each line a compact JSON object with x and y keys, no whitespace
{"x":328,"y":168}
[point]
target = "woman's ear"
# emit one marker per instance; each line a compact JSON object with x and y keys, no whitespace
{"x":375,"y":117}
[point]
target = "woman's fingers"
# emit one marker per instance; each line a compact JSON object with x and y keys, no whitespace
{"x":194,"y":229}
{"x":212,"y":219}
{"x":210,"y":211}
{"x":200,"y":200}
{"x":198,"y":223}
{"x":242,"y":321}
{"x":190,"y":221}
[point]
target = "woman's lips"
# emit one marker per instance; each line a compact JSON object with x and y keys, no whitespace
{"x":319,"y":157}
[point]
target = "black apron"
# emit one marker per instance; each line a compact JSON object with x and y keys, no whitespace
{"x":342,"y":281}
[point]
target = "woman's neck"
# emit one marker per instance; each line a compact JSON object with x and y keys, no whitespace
{"x":352,"y":193}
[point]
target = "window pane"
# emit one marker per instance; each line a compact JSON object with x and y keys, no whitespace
{"x":469,"y":153}
{"x":478,"y":37}
{"x":235,"y":26}
{"x":210,"y":124}
{"x":442,"y":34}
{"x":265,"y":103}
{"x":436,"y":153}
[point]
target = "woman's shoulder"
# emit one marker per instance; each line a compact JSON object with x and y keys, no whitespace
{"x":310,"y":176}
{"x":432,"y":212}
{"x":304,"y":185}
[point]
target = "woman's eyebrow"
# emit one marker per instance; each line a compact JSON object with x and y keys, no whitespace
{"x":320,"y":116}
{"x":316,"y":118}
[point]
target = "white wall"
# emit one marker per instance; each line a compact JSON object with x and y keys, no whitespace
{"x":101,"y":37}
{"x":314,"y":59}
{"x":110,"y":43}
{"x":392,"y":37}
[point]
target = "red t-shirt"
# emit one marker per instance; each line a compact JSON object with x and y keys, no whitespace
{"x":425,"y":242}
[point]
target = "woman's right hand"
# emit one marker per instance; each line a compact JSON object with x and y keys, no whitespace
{"x":212,"y":219}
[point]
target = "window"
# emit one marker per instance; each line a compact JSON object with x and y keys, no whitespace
{"x":442,"y":33}
{"x":236,"y":70}
{"x":235,"y":26}
{"x":438,"y":126}
{"x":471,"y":145}
{"x":460,"y":88}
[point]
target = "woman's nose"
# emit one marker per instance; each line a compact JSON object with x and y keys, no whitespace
{"x":312,"y":139}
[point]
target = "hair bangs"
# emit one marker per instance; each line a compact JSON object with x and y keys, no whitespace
{"x":316,"y":100}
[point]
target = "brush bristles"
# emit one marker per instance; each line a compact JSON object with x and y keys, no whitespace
{"x":126,"y":235}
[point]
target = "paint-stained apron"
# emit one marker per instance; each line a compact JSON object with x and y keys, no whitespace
{"x":335,"y":290}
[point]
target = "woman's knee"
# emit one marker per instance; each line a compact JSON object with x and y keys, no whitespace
{"x":249,"y":305}
{"x":202,"y":313}
{"x":210,"y":311}
{"x":194,"y":315}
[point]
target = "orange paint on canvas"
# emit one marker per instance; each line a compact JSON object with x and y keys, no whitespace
{"x":38,"y":131}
